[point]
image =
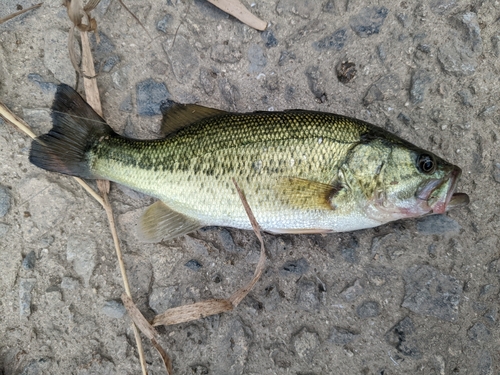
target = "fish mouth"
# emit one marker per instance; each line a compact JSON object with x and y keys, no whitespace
{"x":440,"y":195}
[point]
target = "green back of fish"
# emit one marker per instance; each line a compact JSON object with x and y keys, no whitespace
{"x":266,"y":153}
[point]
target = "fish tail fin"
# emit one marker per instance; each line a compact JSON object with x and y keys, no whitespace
{"x":76,"y":128}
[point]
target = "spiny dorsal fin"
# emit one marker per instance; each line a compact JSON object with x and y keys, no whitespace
{"x":307,"y":194}
{"x":177,"y":116}
{"x":160,"y":222}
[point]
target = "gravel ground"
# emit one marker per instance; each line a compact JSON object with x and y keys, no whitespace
{"x":412,"y":297}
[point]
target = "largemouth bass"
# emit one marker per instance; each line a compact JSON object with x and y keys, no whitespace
{"x":301,"y":171}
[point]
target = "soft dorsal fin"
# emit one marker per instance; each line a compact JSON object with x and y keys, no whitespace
{"x":160,"y":222}
{"x":306,"y":194}
{"x":177,"y":116}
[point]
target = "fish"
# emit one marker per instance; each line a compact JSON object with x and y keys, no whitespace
{"x":301,"y":171}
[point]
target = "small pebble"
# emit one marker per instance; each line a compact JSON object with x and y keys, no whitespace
{"x":207,"y":80}
{"x":271,"y":297}
{"x":335,"y":41}
{"x":149,"y":96}
{"x":231,"y":344}
{"x":419,"y":82}
{"x":485,"y":363}
{"x":437,"y":224}
{"x":491,"y":315}
{"x":401,"y":336}
{"x":225,"y":53}
{"x":109,"y":63}
{"x":227,"y":241}
{"x":404,"y":119}
{"x":114,"y":309}
{"x":164,"y":23}
{"x":368,"y":21}
{"x":229,"y":92}
{"x":306,"y":343}
{"x":126,"y":105}
{"x":353,"y":291}
{"x":29,"y":260}
{"x":368,"y":309}
{"x":479,"y":333}
{"x":495,"y":42}
{"x":25,"y":288}
{"x":69,"y":283}
{"x":48,"y":87}
{"x":257,"y":58}
{"x":296,"y":267}
{"x":442,"y":6}
{"x":269,"y":38}
{"x":341,"y":336}
{"x":193,"y":264}
{"x":285,"y":57}
{"x":81,"y":252}
{"x":430,"y":292}
{"x":307,"y":295}
{"x":163,"y":298}
{"x":4,"y":228}
{"x":386,"y":87}
{"x":349,"y":251}
{"x":315,"y":82}
{"x":4,"y":201}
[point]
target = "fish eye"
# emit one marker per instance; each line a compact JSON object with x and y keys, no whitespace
{"x":426,"y":163}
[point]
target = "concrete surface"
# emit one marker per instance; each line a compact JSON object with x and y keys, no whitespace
{"x":412,"y":297}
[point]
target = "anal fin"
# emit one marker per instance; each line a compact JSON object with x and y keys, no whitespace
{"x":160,"y":222}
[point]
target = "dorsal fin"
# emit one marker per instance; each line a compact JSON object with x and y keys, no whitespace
{"x":177,"y":116}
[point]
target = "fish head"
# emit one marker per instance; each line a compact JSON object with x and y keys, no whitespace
{"x":409,"y":182}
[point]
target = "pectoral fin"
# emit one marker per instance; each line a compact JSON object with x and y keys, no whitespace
{"x":306,"y":194}
{"x":159,"y":222}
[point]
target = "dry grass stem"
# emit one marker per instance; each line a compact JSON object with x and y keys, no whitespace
{"x":236,"y":9}
{"x":241,"y":293}
{"x":89,"y":81}
{"x":143,"y":325}
{"x":12,"y":119}
{"x":10,"y":16}
{"x":198,"y":310}
{"x":135,"y":18}
{"x":195,"y":311}
{"x":92,"y":97}
{"x":16,"y":121}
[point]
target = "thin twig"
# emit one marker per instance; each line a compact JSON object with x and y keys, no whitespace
{"x":135,"y":17}
{"x":238,"y":296}
{"x":12,"y":119}
{"x":10,"y":16}
{"x":92,"y":97}
{"x":236,"y":9}
{"x":16,"y":121}
{"x":180,"y":24}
